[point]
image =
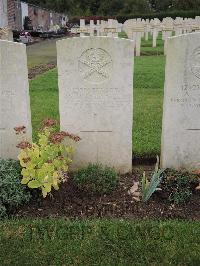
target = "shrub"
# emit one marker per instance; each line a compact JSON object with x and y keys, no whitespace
{"x":96,"y":179}
{"x":45,"y":164}
{"x":12,"y":193}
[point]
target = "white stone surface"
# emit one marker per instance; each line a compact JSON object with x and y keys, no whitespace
{"x":92,"y":27}
{"x":96,"y":98}
{"x":14,"y":97}
{"x":181,"y":119}
{"x":6,"y":34}
{"x":3,"y":14}
{"x":83,"y":28}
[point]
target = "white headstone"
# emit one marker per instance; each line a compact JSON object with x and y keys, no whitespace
{"x":98,"y":28}
{"x":178,"y":26}
{"x":96,"y":98}
{"x":181,"y":120}
{"x":134,"y":31}
{"x":14,"y":97}
{"x":167,"y":31}
{"x":83,"y":30}
{"x":155,"y":30}
{"x":92,"y":27}
{"x":111,"y":30}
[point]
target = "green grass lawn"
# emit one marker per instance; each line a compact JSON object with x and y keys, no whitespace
{"x":147,"y":49}
{"x":99,"y":242}
{"x":148,"y":94}
{"x":148,"y":104}
{"x":44,"y":99}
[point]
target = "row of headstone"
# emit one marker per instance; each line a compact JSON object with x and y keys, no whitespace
{"x":138,"y":28}
{"x":109,"y":28}
{"x":96,"y":100}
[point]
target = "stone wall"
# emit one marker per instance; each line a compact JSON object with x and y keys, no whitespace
{"x":10,"y":14}
{"x":40,"y":17}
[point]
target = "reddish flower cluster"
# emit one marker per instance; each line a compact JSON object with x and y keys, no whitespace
{"x":49,"y":122}
{"x":23,"y":145}
{"x":73,"y":137}
{"x":57,"y":138}
{"x":20,"y":130}
{"x":197,"y":172}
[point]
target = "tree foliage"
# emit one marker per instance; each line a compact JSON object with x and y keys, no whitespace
{"x":115,"y":7}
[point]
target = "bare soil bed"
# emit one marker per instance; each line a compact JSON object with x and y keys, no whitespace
{"x":70,"y":202}
{"x":40,"y":69}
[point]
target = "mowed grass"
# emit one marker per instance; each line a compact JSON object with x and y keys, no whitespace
{"x":148,"y":95}
{"x":99,"y":242}
{"x":147,"y":49}
{"x":148,"y":105}
{"x":44,"y":99}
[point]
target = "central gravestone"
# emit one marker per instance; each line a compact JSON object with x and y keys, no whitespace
{"x":96,"y":98}
{"x":14,"y":97}
{"x":181,"y":119}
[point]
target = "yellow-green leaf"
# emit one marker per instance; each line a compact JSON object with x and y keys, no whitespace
{"x":34,"y":184}
{"x":44,"y":193}
{"x":47,"y":187}
{"x":25,"y":181}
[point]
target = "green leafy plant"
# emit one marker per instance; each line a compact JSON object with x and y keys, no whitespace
{"x":179,"y":197}
{"x":180,"y":188}
{"x":12,"y":193}
{"x":96,"y":179}
{"x":148,"y":188}
{"x":45,"y":164}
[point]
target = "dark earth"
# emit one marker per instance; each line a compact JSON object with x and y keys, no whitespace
{"x":40,"y":69}
{"x":70,"y":202}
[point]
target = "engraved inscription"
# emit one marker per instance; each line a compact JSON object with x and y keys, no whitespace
{"x":193,"y":89}
{"x":189,"y":96}
{"x":82,"y":30}
{"x":195,"y":62}
{"x":110,"y":30}
{"x":95,"y":65}
{"x":106,"y":97}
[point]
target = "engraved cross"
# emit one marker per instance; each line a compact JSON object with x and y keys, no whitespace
{"x":96,"y":67}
